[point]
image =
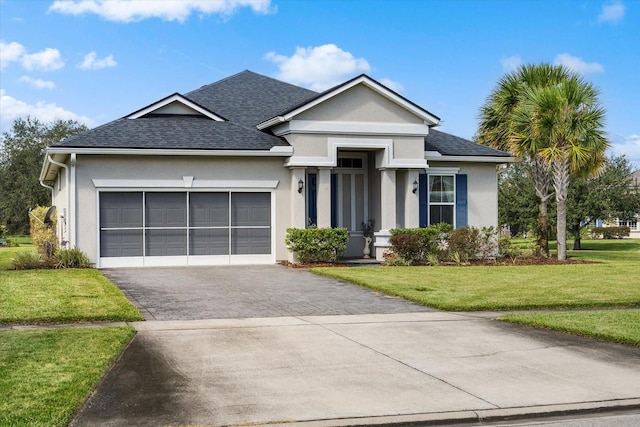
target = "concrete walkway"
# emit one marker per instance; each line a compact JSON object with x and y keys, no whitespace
{"x":428,"y":367}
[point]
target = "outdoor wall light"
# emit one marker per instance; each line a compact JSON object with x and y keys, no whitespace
{"x":415,"y":186}
{"x":300,"y":185}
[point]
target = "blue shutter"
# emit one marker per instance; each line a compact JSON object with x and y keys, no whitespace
{"x":423,"y":200}
{"x":334,"y":201}
{"x":461,"y":201}
{"x":312,"y":197}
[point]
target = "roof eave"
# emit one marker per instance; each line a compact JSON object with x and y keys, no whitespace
{"x":470,"y":159}
{"x":275,"y":151}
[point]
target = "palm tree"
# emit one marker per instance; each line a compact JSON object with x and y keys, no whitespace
{"x":496,"y":129}
{"x":563,"y":124}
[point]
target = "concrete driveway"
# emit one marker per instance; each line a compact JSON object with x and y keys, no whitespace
{"x":383,"y":361}
{"x":192,"y":293}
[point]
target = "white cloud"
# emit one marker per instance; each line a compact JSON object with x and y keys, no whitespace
{"x":393,"y":85}
{"x":37,"y":83}
{"x":46,"y":60}
{"x":612,"y":12}
{"x":10,"y":52}
{"x":91,"y":63}
{"x":12,"y":108}
{"x":627,"y":145}
{"x":577,"y":64}
{"x":511,"y":63}
{"x":318,"y":68}
{"x":167,"y":10}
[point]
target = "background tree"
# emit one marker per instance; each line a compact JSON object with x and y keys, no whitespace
{"x":517,"y":205}
{"x":22,"y":151}
{"x":563,"y":124}
{"x":610,"y":194}
{"x":496,"y":129}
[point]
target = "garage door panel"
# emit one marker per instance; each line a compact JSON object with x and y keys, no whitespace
{"x":209,"y":242}
{"x":245,"y":241}
{"x":166,"y":210}
{"x":166,"y":242}
{"x":251,"y":209}
{"x":120,"y":210}
{"x":121,"y":243}
{"x":209,"y":209}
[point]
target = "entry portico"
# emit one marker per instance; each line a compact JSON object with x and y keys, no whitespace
{"x":358,"y":149}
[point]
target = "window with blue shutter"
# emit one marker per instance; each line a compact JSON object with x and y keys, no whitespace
{"x":423,"y":200}
{"x":312,"y":198}
{"x":461,"y":201}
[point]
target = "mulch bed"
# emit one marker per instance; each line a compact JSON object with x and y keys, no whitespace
{"x":476,"y":262}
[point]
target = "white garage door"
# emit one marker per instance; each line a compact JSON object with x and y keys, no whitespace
{"x":182,"y":228}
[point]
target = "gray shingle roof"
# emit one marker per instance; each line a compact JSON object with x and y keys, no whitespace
{"x":249,"y":98}
{"x":450,"y":145}
{"x":173,"y":132}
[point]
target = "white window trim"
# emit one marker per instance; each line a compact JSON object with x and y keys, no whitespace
{"x":455,"y":195}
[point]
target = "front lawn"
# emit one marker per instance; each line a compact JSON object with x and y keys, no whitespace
{"x":59,"y":296}
{"x":46,"y":374}
{"x":503,"y":288}
{"x":622,"y":326}
{"x":611,"y":282}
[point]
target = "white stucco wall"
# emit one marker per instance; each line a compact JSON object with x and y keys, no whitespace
{"x":174,"y":168}
{"x":359,"y":104}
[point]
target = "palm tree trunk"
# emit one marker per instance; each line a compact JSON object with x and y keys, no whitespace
{"x":540,"y":172}
{"x":561,"y":186}
{"x":577,"y":243}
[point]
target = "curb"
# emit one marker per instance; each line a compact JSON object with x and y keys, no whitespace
{"x":469,"y":417}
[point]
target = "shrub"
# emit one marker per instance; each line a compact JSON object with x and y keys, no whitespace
{"x":43,"y":237}
{"x":410,"y":247}
{"x":610,"y":232}
{"x":27,"y":261}
{"x":71,"y":258}
{"x":465,"y":242}
{"x":317,"y":244}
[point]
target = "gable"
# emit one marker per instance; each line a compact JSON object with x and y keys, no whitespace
{"x":360,"y":104}
{"x":176,"y":104}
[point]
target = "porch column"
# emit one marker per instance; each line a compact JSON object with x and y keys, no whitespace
{"x":298,"y":200}
{"x":387,"y":211}
{"x":324,"y":197}
{"x":411,"y":200}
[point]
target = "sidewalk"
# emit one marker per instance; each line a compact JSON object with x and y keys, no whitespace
{"x":358,"y":370}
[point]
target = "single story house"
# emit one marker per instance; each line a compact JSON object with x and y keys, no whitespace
{"x":217,"y":175}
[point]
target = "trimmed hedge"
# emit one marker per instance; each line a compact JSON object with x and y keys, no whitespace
{"x":317,"y":244}
{"x":610,"y":232}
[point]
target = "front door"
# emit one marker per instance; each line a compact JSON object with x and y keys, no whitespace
{"x":351,"y":204}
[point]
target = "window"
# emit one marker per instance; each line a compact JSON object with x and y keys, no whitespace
{"x":350,"y":163}
{"x":441,"y":199}
{"x":633,"y":224}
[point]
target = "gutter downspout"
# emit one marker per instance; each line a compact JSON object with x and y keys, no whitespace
{"x":67,"y":184}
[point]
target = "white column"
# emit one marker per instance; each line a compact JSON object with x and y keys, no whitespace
{"x":387,"y":199}
{"x":387,"y":210}
{"x":411,"y":200}
{"x":324,"y":197}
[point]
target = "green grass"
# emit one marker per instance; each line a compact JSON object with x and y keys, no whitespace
{"x":61,"y":296}
{"x":621,"y":326}
{"x":46,"y":374}
{"x":6,"y":254}
{"x":612,"y":282}
{"x":502,"y":288}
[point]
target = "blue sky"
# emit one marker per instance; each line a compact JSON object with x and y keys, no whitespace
{"x":96,"y":61}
